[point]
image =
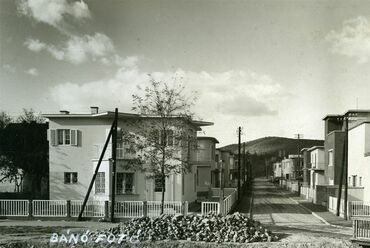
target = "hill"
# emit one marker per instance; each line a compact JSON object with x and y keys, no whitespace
{"x":275,"y":146}
{"x":265,"y":151}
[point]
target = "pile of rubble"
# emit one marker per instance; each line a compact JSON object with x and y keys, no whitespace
{"x":209,"y":228}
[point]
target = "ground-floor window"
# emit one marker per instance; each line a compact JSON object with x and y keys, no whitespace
{"x":100,"y":183}
{"x":158,"y":184}
{"x":125,"y":183}
{"x":70,"y":177}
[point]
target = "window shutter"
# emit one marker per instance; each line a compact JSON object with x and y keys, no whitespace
{"x":73,"y":137}
{"x":53,"y":137}
{"x":78,"y":138}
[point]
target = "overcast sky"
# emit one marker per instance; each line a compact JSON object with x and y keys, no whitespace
{"x":274,"y":67}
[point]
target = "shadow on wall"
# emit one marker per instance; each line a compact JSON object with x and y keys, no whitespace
{"x":61,"y":191}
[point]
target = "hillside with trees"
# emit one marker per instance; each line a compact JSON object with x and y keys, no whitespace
{"x":267,"y":150}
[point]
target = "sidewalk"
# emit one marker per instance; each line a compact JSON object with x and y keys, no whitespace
{"x":322,"y":212}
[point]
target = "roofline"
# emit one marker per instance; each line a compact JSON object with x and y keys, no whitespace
{"x":225,"y":150}
{"x":350,"y":111}
{"x":110,"y":114}
{"x":331,"y":116}
{"x":315,"y":148}
{"x":208,"y":137}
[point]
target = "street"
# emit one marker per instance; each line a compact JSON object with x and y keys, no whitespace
{"x":275,"y":208}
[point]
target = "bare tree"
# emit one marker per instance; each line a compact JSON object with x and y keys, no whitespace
{"x":5,"y":119}
{"x":29,"y":115}
{"x":163,"y":136}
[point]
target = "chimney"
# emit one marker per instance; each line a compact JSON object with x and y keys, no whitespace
{"x":94,"y":110}
{"x":65,"y":112}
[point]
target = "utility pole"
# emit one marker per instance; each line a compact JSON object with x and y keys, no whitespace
{"x":244,"y":165}
{"x":114,"y":160}
{"x":239,"y":159}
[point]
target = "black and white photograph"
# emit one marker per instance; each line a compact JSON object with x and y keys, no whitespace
{"x":185,"y":123}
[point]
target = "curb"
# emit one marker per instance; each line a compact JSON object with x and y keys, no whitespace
{"x":316,"y":215}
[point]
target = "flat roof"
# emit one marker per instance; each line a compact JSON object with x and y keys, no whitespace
{"x":315,"y":147}
{"x":348,"y":112}
{"x":110,"y":114}
{"x":208,"y":138}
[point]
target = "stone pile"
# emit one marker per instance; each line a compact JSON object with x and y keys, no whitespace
{"x":209,"y":228}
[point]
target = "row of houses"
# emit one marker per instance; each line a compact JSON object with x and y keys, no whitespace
{"x":317,"y":170}
{"x":75,"y":145}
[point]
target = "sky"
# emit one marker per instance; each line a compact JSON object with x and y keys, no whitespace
{"x":274,"y":67}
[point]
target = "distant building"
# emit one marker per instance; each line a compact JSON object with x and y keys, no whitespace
{"x":277,"y":170}
{"x":228,"y":165}
{"x":291,"y":167}
{"x":205,"y":163}
{"x":317,"y":166}
{"x":306,"y":156}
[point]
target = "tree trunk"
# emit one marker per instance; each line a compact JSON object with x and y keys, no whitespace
{"x":163,"y":190}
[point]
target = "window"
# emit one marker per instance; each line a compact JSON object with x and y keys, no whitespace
{"x":349,"y":180}
{"x":64,"y":137}
{"x":354,"y":180}
{"x":70,"y":177}
{"x":100,"y":183}
{"x":330,"y":156}
{"x":360,"y":181}
{"x":158,"y":184}
{"x":125,"y":183}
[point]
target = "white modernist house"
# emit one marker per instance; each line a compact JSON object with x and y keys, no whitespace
{"x":76,"y":142}
{"x":317,"y":166}
{"x":277,"y":170}
{"x":359,"y":161}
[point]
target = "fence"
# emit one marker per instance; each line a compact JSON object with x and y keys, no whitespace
{"x":225,"y":208}
{"x":14,"y":207}
{"x":92,"y":208}
{"x":333,"y":206}
{"x":154,"y":208}
{"x":72,"y":208}
{"x":361,"y":228}
{"x":129,"y":209}
{"x":359,"y":209}
{"x":229,"y":202}
{"x":208,"y":207}
{"x":49,"y":208}
{"x":215,"y":192}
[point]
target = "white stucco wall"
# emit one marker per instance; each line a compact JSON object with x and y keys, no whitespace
{"x":358,"y":163}
{"x":83,"y":159}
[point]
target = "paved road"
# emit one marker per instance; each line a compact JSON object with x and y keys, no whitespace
{"x":274,"y":206}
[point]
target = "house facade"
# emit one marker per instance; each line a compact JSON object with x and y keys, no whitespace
{"x":277,"y":170}
{"x":317,"y":167}
{"x":205,"y":164}
{"x":359,"y":161}
{"x":290,"y":167}
{"x":75,"y":145}
{"x":306,"y":156}
{"x":227,"y":163}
